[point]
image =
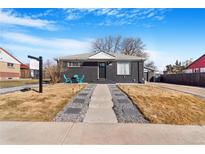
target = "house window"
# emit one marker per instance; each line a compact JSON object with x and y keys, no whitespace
{"x":123,"y":68}
{"x":73,"y":64}
{"x":10,"y":65}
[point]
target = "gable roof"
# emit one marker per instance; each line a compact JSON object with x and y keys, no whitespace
{"x":101,"y":55}
{"x":10,"y":55}
{"x":194,"y":62}
{"x":94,"y":56}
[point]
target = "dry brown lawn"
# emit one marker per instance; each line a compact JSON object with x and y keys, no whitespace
{"x":161,"y":105}
{"x":33,"y":106}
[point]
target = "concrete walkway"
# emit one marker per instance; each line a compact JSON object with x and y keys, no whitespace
{"x":100,"y":107}
{"x":197,"y":91}
{"x":92,"y":133}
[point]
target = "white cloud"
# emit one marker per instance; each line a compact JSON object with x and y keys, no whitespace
{"x":49,"y":47}
{"x":150,"y":15}
{"x":10,"y":18}
{"x":57,"y":43}
{"x":42,"y":14}
{"x":115,"y":16}
{"x":73,"y":17}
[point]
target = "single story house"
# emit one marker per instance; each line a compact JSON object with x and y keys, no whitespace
{"x":104,"y":67}
{"x":197,"y":66}
{"x":11,"y":67}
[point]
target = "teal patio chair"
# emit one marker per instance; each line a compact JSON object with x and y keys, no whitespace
{"x":79,"y":79}
{"x":66,"y":79}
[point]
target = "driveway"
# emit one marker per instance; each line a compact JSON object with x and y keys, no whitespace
{"x":197,"y":91}
{"x":98,"y":133}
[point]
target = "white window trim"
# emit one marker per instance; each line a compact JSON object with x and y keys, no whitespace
{"x":10,"y":66}
{"x":68,"y":64}
{"x":129,"y":68}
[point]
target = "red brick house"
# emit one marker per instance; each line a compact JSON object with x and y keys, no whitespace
{"x":197,"y":66}
{"x":25,"y":71}
{"x":11,"y":67}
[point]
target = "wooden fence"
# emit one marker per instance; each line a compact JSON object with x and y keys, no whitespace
{"x":194,"y":79}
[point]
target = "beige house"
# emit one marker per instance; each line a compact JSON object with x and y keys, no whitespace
{"x":9,"y":66}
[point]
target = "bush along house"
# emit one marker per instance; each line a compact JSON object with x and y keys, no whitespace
{"x":103,"y":67}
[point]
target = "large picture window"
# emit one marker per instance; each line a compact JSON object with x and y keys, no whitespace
{"x":123,"y":68}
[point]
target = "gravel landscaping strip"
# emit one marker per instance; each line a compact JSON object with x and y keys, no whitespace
{"x":76,"y":109}
{"x":125,"y":110}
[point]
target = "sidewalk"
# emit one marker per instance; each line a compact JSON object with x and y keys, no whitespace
{"x":197,"y":91}
{"x":98,"y":133}
{"x":100,"y":107}
{"x":18,"y":88}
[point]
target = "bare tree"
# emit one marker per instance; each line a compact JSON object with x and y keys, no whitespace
{"x":53,"y":70}
{"x":151,"y":64}
{"x":107,"y":44}
{"x":114,"y":44}
{"x":117,"y":44}
{"x":134,"y":46}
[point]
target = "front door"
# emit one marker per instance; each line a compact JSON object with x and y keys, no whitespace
{"x":102,"y":70}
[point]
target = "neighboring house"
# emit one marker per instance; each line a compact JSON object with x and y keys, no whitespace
{"x":104,"y":67}
{"x":9,"y":65}
{"x":149,"y":74}
{"x":197,"y":66}
{"x":25,"y":71}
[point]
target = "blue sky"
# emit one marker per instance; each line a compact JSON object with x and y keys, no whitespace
{"x":169,"y":34}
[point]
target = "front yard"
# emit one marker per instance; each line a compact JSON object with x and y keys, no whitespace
{"x":33,"y":106}
{"x":161,"y":105}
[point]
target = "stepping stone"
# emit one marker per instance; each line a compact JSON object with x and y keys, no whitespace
{"x":79,"y":100}
{"x":119,"y":94}
{"x":115,"y":90}
{"x":82,"y":94}
{"x":73,"y":111}
{"x":123,"y":100}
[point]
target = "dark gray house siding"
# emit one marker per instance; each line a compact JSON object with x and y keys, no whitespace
{"x":90,"y":71}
